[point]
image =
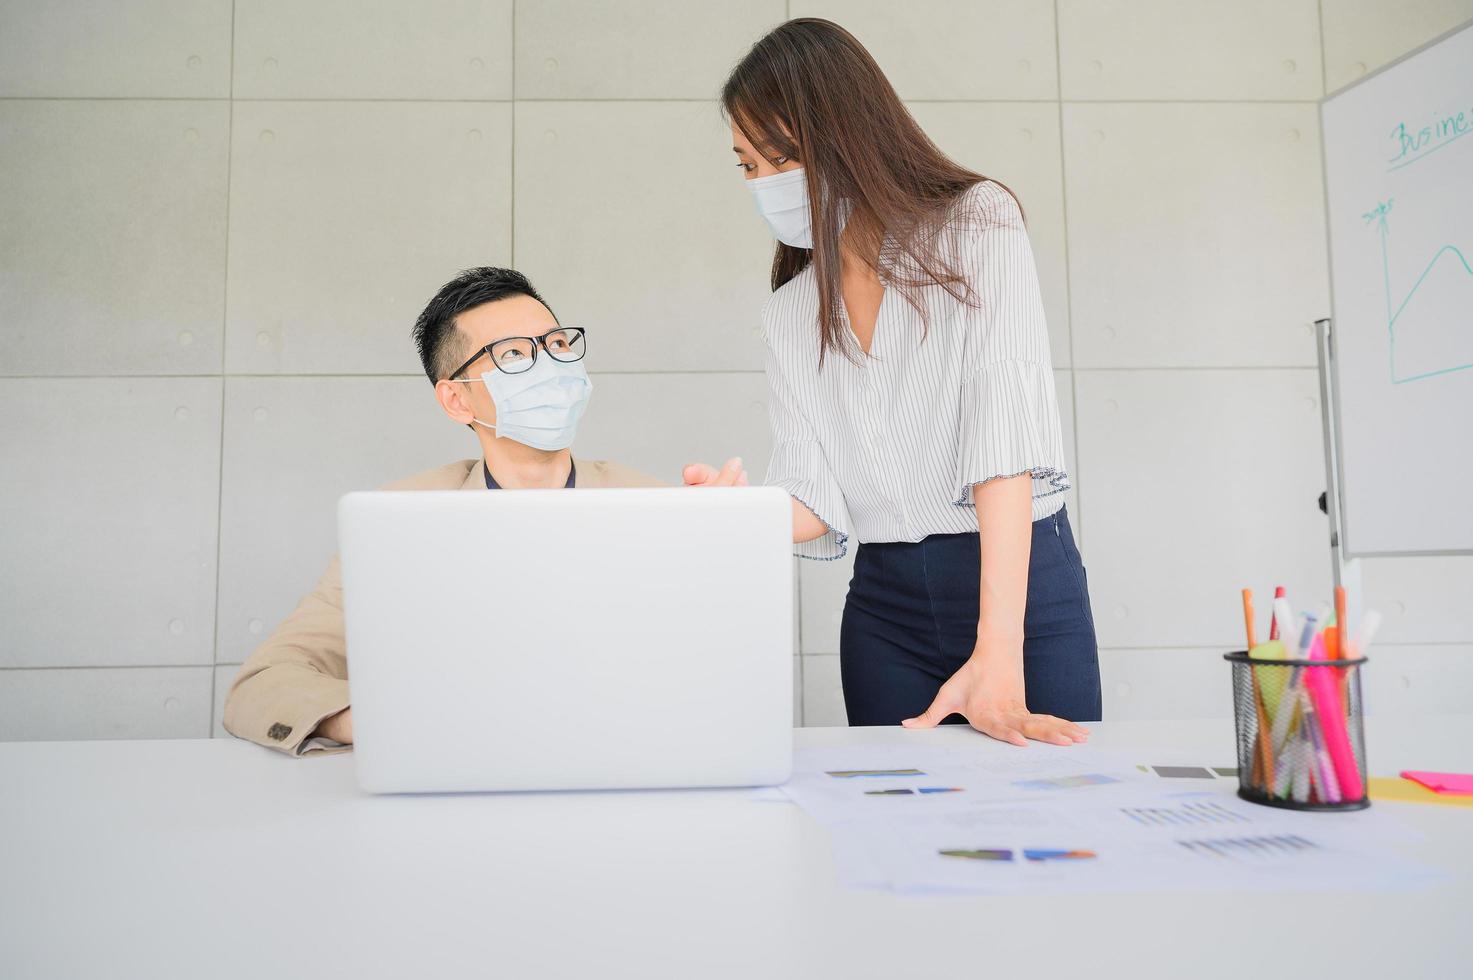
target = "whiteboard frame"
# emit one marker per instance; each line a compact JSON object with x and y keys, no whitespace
{"x":1347,"y":569}
{"x":1342,"y":553}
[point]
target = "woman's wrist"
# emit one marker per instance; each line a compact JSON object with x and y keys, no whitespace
{"x":993,"y":644}
{"x":998,"y":663}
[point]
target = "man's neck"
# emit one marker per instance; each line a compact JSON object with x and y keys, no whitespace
{"x":517,"y":467}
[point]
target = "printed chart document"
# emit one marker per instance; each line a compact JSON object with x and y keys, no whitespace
{"x":995,"y":818}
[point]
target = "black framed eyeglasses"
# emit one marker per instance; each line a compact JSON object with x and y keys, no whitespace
{"x":513,"y":355}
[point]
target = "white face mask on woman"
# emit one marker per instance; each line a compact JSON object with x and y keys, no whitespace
{"x":782,"y":199}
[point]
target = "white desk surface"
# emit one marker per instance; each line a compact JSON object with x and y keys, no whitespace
{"x":217,"y":858}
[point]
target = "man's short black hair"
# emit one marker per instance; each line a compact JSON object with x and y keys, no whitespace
{"x":434,"y":331}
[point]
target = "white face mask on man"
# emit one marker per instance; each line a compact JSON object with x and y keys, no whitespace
{"x":539,"y":407}
{"x":782,"y":199}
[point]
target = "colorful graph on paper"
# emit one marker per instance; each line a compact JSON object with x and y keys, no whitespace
{"x":1266,"y":848}
{"x":1186,"y":814}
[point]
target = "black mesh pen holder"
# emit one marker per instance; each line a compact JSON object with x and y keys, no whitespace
{"x":1301,"y":732}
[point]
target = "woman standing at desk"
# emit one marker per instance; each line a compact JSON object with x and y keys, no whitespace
{"x":912,"y":401}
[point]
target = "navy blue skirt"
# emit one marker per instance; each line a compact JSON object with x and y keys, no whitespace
{"x":910,"y":622}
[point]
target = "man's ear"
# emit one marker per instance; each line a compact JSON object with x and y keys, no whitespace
{"x":454,"y":401}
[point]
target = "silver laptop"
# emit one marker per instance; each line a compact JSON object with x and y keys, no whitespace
{"x":554,"y":639}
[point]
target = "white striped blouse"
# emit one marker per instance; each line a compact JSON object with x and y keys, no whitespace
{"x":889,"y":448}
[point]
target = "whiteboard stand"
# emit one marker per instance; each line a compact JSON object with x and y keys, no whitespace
{"x":1347,"y":570}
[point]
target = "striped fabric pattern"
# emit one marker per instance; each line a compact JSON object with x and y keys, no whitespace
{"x":887,"y":447}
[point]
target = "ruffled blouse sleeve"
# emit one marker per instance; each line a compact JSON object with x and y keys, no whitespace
{"x":1009,"y":418}
{"x":799,"y":466}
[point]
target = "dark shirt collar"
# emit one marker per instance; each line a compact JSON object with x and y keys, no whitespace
{"x":491,"y":483}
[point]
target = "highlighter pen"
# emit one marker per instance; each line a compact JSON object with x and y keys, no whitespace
{"x":1288,"y":700}
{"x":1342,"y":627}
{"x":1329,"y":785}
{"x":1320,"y":616}
{"x":1284,"y":620}
{"x":1273,"y":620}
{"x":1290,"y":756}
{"x":1263,"y":760}
{"x":1328,"y":708}
{"x":1301,"y":770}
{"x":1285,"y":766}
{"x":1293,"y":759}
{"x":1312,"y":779}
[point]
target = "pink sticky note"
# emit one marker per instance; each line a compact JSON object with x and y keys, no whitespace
{"x":1451,"y":783}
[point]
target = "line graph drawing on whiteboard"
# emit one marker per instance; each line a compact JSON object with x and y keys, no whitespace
{"x":1448,"y":270}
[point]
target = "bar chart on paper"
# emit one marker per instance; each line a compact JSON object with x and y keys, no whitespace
{"x":1398,"y":158}
{"x":1183,"y":815}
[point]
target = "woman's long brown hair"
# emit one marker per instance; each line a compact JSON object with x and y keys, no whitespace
{"x":810,"y":91}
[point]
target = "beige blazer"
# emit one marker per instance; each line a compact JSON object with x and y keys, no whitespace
{"x":299,"y":676}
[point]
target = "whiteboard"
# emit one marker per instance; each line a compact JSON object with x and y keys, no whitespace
{"x":1398,"y":159}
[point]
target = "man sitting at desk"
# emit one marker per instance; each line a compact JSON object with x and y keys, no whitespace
{"x":501,"y":364}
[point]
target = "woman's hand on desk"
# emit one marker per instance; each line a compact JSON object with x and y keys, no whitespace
{"x":338,"y":727}
{"x":732,"y":474}
{"x":991,"y":699}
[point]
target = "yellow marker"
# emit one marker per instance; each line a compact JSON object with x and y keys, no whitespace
{"x":1270,"y":679}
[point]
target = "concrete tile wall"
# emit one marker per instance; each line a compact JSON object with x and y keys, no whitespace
{"x":218,"y":219}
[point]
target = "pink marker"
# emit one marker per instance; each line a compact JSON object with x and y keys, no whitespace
{"x":1325,"y":692}
{"x":1324,"y":771}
